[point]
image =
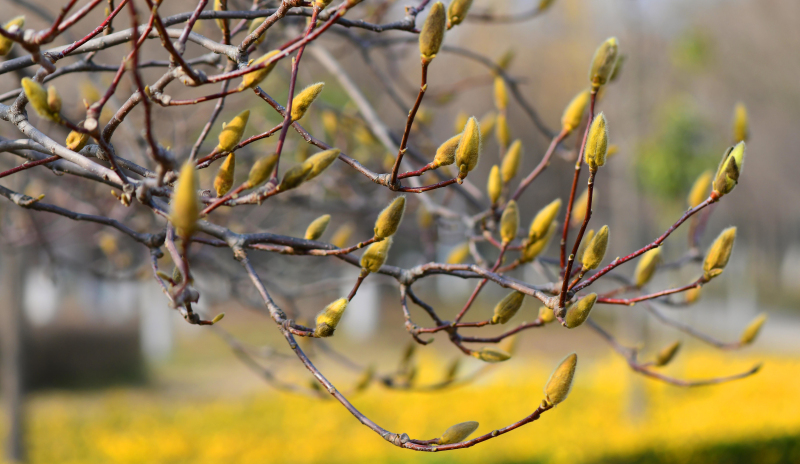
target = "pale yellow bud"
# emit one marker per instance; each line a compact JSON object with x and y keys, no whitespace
{"x":432,"y":33}
{"x":719,"y":253}
{"x":446,"y":153}
{"x":491,"y":355}
{"x":221,"y":5}
{"x":389,"y":219}
{"x":509,"y":222}
{"x":295,"y":176}
{"x":185,"y":209}
{"x":261,"y":170}
{"x":461,"y":121}
{"x":250,"y":80}
{"x":457,"y":11}
{"x":53,"y":100}
{"x":511,"y":161}
{"x":596,"y":250}
{"x":666,"y":354}
{"x":458,"y":433}
{"x":751,"y":331}
{"x":424,"y":217}
{"x":76,"y":140}
{"x":546,"y":314}
{"x":320,"y":161}
{"x":342,"y":235}
{"x":486,"y":123}
{"x":252,"y":28}
{"x":469,"y":147}
{"x":502,"y":132}
{"x":232,"y":132}
{"x":647,"y":266}
{"x":459,"y":254}
{"x":574,"y":112}
{"x":376,"y":255}
{"x":578,"y":312}
{"x":329,"y":318}
{"x":580,"y":206}
{"x":700,"y":189}
{"x":604,"y":61}
{"x":224,"y":180}
{"x":37,"y":95}
{"x":317,"y":227}
{"x":543,"y":220}
{"x":12,"y":26}
{"x":730,"y":169}
{"x":693,"y":294}
{"x":494,"y":186}
{"x":740,"y":124}
{"x":304,"y":99}
{"x":500,"y":94}
{"x":506,"y":308}
{"x":560,"y":383}
{"x":597,"y":145}
{"x":587,"y":239}
{"x":534,"y":248}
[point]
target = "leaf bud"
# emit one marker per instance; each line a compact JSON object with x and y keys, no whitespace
{"x":486,"y":123}
{"x":578,"y":312}
{"x":753,"y":328}
{"x":494,"y":187}
{"x":700,"y":189}
{"x":12,"y":26}
{"x":446,"y":153}
{"x":389,"y":219}
{"x":457,"y":11}
{"x":458,"y":254}
{"x":458,"y":433}
{"x":320,"y":161}
{"x":502,"y":132}
{"x":509,"y":222}
{"x":720,"y":252}
{"x":506,"y":308}
{"x":317,"y":227}
{"x":693,"y":294}
{"x":37,"y":95}
{"x":261,"y":170}
{"x":580,"y":206}
{"x":76,"y":140}
{"x":587,"y":239}
{"x":647,"y":267}
{"x":342,"y":235}
{"x":252,"y":79}
{"x":729,"y":169}
{"x":491,"y":355}
{"x":224,"y":180}
{"x":500,"y":94}
{"x":740,"y":123}
{"x":511,"y":161}
{"x":596,"y":250}
{"x":376,"y":255}
{"x":329,"y":318}
{"x":534,"y":248}
{"x":543,"y":220}
{"x":185,"y":209}
{"x":304,"y":99}
{"x":432,"y":33}
{"x":573,"y":113}
{"x":232,"y":132}
{"x":217,"y":318}
{"x":546,"y":315}
{"x":295,"y":176}
{"x":666,"y":354}
{"x":603,"y":63}
{"x":469,"y":147}
{"x":597,"y":145}
{"x":560,"y":382}
{"x":53,"y":100}
{"x":461,"y":121}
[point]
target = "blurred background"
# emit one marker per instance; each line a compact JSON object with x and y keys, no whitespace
{"x":98,"y":369}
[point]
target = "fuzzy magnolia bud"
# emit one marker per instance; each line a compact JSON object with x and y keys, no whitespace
{"x":666,"y":354}
{"x":221,"y":5}
{"x":502,"y":132}
{"x":491,"y":355}
{"x":751,"y":331}
{"x":573,"y":114}
{"x":597,"y":145}
{"x":250,"y":80}
{"x":232,"y":132}
{"x":693,"y":294}
{"x":700,"y":189}
{"x":720,"y":252}
{"x":224,"y":180}
{"x":546,"y":314}
{"x":458,"y":433}
{"x":500,"y":94}
{"x":446,"y":153}
{"x":376,"y":255}
{"x":76,"y":140}
{"x":185,"y":205}
{"x":12,"y":26}
{"x":469,"y":148}
{"x":53,"y":100}
{"x":494,"y":186}
{"x":432,"y":34}
{"x":509,"y":222}
{"x":729,"y":169}
{"x":329,"y":318}
{"x":261,"y":170}
{"x":560,"y":382}
{"x":389,"y":219}
{"x":457,"y":12}
{"x":596,"y":250}
{"x":303,"y":100}
{"x":507,"y":307}
{"x":511,"y":161}
{"x":486,"y":123}
{"x":580,"y":206}
{"x":579,"y":311}
{"x":535,"y":247}
{"x":37,"y":95}
{"x":543,"y":219}
{"x":604,"y":61}
{"x":587,"y":239}
{"x":740,"y":124}
{"x":342,"y":235}
{"x":647,"y":266}
{"x":317,"y":227}
{"x":294,"y":177}
{"x":320,"y":161}
{"x":459,"y":254}
{"x":461,"y":121}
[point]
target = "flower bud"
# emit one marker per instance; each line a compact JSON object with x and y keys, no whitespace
{"x":76,"y":140}
{"x":389,"y":219}
{"x":560,"y":382}
{"x":304,"y":99}
{"x":693,"y":294}
{"x":580,"y":206}
{"x":469,"y":147}
{"x":224,"y":180}
{"x":487,"y":123}
{"x":457,"y":11}
{"x":185,"y":209}
{"x":740,"y":124}
{"x":252,"y":28}
{"x":424,"y":217}
{"x":573,"y":114}
{"x":12,"y":26}
{"x":753,"y":328}
{"x":507,"y":307}
{"x":432,"y":33}
{"x":317,"y":227}
{"x":320,"y":161}
{"x":647,"y":266}
{"x":546,"y":314}
{"x":491,"y":355}
{"x":578,"y":312}
{"x":603,"y":63}
{"x":587,"y":239}
{"x":461,"y":121}
{"x":494,"y":186}
{"x":459,"y":254}
{"x":511,"y":161}
{"x":502,"y":132}
{"x":53,"y":100}
{"x":535,"y":247}
{"x":700,"y":189}
{"x":232,"y":132}
{"x":597,"y":145}
{"x":37,"y":95}
{"x":376,"y":255}
{"x":446,"y":153}
{"x":342,"y":235}
{"x":720,"y":252}
{"x":729,"y":169}
{"x":458,"y":433}
{"x":261,"y":170}
{"x":221,"y":5}
{"x":596,"y":250}
{"x":329,"y":318}
{"x":543,"y":220}
{"x":666,"y":354}
{"x":294,"y":177}
{"x":509,"y":222}
{"x":500,"y":94}
{"x":251,"y":80}
{"x":217,"y":318}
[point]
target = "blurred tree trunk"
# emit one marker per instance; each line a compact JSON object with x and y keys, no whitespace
{"x":11,"y":350}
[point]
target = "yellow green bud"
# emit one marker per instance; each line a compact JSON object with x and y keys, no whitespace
{"x":424,"y":217}
{"x":320,"y":161}
{"x":729,"y":169}
{"x":720,"y":252}
{"x":252,"y":28}
{"x":221,"y":5}
{"x":502,"y":132}
{"x":224,"y":180}
{"x":560,"y":382}
{"x":500,"y":94}
{"x":469,"y":147}
{"x":53,"y":99}
{"x":596,"y":251}
{"x":534,"y":248}
{"x":604,"y":61}
{"x":376,"y":255}
{"x":693,"y":294}
{"x":486,"y":123}
{"x":185,"y":209}
{"x":491,"y":355}
{"x":389,"y":219}
{"x":511,"y":161}
{"x":700,"y":189}
{"x":494,"y":187}
{"x":587,"y":239}
{"x":432,"y":33}
{"x":232,"y":132}
{"x":751,"y":331}
{"x":578,"y":312}
{"x":250,"y":80}
{"x":647,"y":266}
{"x":457,"y":11}
{"x":329,"y":318}
{"x":740,"y":124}
{"x":505,"y":60}
{"x":37,"y":95}
{"x":459,"y":254}
{"x":458,"y":433}
{"x":507,"y":307}
{"x":666,"y":354}
{"x":574,"y":112}
{"x":217,"y":318}
{"x":342,"y":235}
{"x":597,"y":145}
{"x":317,"y":227}
{"x":546,"y":314}
{"x":12,"y":26}
{"x":580,"y":206}
{"x":543,"y":220}
{"x":295,"y":176}
{"x":461,"y":121}
{"x":303,"y":100}
{"x":261,"y":170}
{"x":446,"y":153}
{"x":76,"y":140}
{"x":509,"y":222}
